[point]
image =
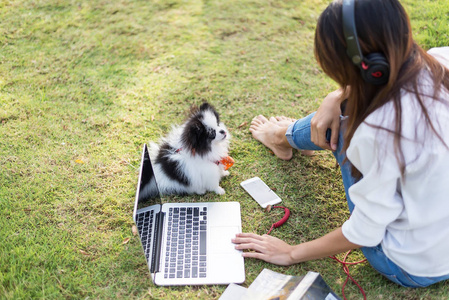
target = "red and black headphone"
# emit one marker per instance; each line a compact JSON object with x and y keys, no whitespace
{"x":374,"y":67}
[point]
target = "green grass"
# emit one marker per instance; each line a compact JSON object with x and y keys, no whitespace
{"x":83,"y":84}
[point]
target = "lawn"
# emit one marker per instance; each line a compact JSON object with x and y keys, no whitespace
{"x":83,"y":84}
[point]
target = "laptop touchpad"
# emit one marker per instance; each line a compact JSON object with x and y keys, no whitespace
{"x":220,"y":239}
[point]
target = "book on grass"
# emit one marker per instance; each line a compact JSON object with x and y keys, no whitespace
{"x":271,"y":285}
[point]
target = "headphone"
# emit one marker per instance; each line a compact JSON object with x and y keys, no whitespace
{"x":374,"y":67}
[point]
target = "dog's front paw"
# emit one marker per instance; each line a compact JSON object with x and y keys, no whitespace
{"x":220,"y":191}
{"x":225,"y":173}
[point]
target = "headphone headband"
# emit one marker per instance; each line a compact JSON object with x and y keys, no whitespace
{"x":352,"y":43}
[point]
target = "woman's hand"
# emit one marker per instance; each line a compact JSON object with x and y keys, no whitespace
{"x":327,"y":116}
{"x":276,"y":251}
{"x":265,"y":247}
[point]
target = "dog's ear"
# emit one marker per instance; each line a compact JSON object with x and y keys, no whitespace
{"x":206,"y":106}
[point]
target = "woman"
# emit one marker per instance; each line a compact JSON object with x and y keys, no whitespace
{"x":391,"y":144}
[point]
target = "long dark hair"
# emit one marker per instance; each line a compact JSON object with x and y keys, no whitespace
{"x":382,"y":26}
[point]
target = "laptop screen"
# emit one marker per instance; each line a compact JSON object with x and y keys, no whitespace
{"x":147,"y":190}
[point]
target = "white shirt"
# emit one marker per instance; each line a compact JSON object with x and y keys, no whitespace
{"x":410,"y":218}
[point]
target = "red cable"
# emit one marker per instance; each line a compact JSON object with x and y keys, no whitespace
{"x":346,"y":270}
{"x":281,"y":221}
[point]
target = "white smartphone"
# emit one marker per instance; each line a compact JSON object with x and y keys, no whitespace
{"x":260,"y":192}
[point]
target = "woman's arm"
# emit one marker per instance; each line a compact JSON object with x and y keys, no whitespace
{"x":276,"y":251}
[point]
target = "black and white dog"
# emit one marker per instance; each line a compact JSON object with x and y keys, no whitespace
{"x":188,"y":159}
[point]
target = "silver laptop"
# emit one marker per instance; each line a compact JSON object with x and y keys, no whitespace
{"x":186,"y":243}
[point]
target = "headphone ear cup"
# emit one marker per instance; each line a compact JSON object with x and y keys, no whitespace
{"x":376,"y":70}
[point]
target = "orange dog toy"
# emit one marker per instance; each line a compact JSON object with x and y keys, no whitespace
{"x":227,"y":162}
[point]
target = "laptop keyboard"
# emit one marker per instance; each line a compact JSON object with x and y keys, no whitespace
{"x":185,"y":255}
{"x":145,"y":226}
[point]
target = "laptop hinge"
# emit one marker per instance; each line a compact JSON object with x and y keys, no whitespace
{"x":155,"y":259}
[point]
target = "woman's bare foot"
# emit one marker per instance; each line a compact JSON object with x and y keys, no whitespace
{"x":272,"y":135}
